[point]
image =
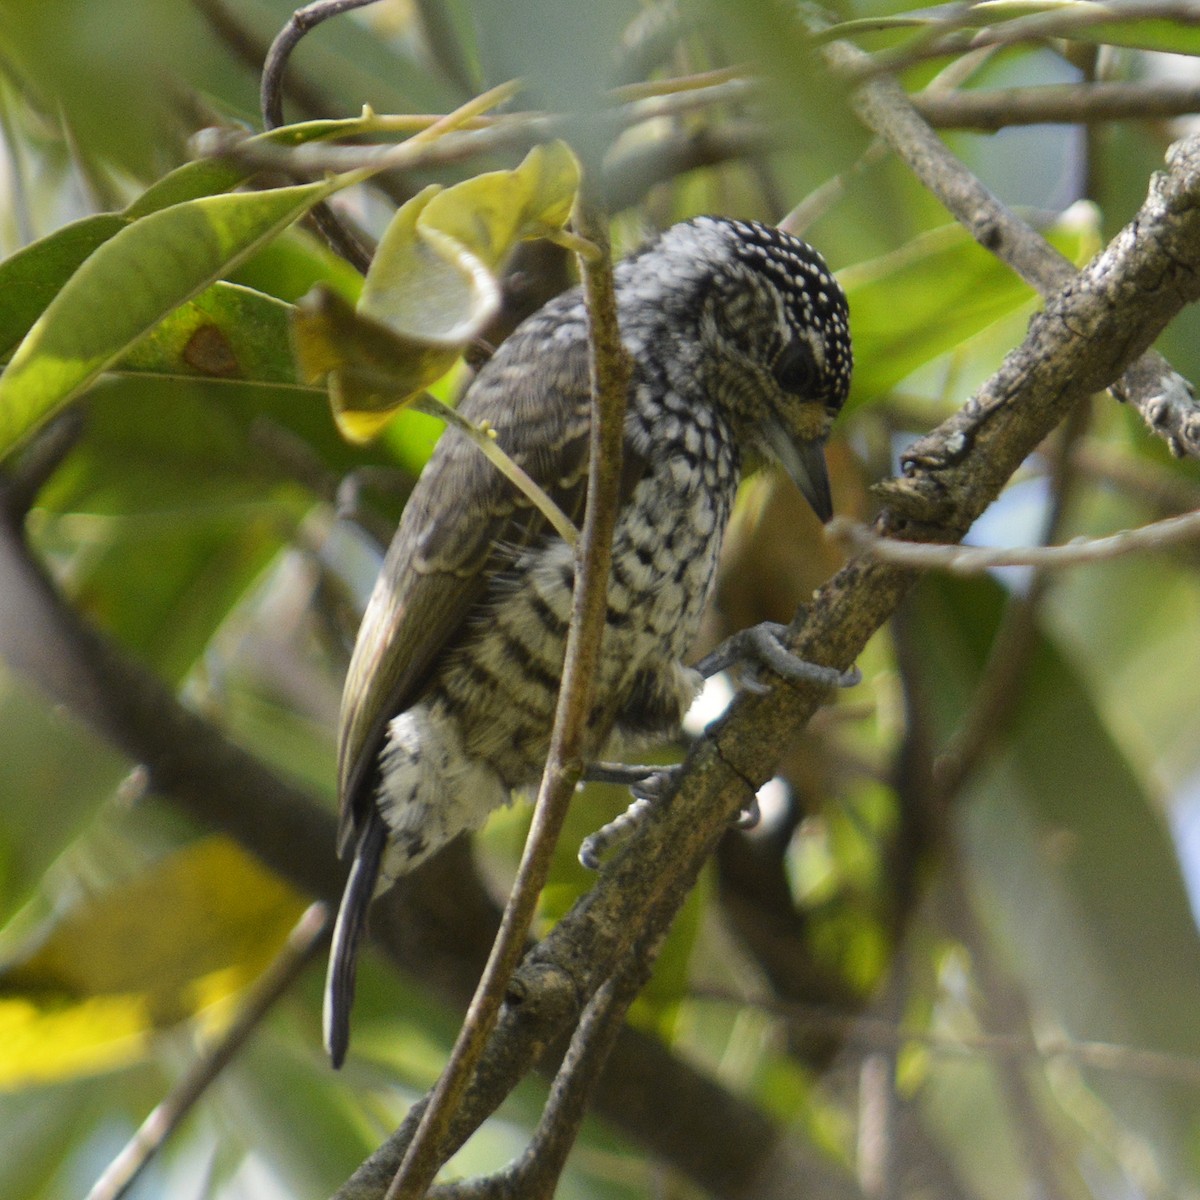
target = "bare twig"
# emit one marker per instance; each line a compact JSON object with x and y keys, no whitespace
{"x":564,"y":765}
{"x":631,"y":172}
{"x":246,"y":46}
{"x":37,"y":463}
{"x":484,"y":440}
{"x":537,"y":1171}
{"x":1072,"y":104}
{"x":975,"y":560}
{"x":535,"y":1174}
{"x":340,"y":237}
{"x":507,"y":131}
{"x":1152,"y":484}
{"x":305,"y":18}
{"x":301,"y":947}
{"x":873,"y":1033}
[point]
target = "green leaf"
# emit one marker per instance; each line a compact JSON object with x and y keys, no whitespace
{"x":46,"y":753}
{"x":128,"y":285}
{"x":226,"y":332}
{"x":32,"y":277}
{"x":189,"y":932}
{"x":370,"y":370}
{"x":204,"y":177}
{"x":928,"y":297}
{"x":294,"y":263}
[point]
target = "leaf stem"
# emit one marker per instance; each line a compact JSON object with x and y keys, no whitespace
{"x":484,"y":438}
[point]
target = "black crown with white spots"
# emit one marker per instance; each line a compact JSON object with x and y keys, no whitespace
{"x":815,"y":298}
{"x":674,"y":272}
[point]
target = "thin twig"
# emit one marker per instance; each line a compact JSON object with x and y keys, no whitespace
{"x":535,"y":1174}
{"x":1152,"y":484}
{"x":484,"y":440}
{"x":39,"y":460}
{"x":872,"y":1033}
{"x":338,"y":234}
{"x":308,"y":17}
{"x":975,"y":560}
{"x":958,"y":33}
{"x":299,"y":950}
{"x":1063,"y":104}
{"x":249,"y":48}
{"x":646,"y":89}
{"x":505,"y":132}
{"x":564,"y":765}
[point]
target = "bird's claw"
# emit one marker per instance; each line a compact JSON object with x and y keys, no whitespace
{"x":644,"y":781}
{"x":595,"y":846}
{"x":648,"y":785}
{"x":765,"y":645}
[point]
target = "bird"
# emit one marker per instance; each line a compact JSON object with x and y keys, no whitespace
{"x":739,"y":341}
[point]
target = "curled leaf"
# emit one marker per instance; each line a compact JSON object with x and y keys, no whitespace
{"x":432,"y":287}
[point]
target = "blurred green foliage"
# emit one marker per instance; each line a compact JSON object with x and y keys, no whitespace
{"x":194,"y":524}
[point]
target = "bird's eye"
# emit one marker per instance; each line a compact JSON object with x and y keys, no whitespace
{"x":796,"y":369}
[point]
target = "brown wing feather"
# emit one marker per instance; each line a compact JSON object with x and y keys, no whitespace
{"x":463,"y":517}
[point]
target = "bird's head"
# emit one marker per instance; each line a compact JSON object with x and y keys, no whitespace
{"x":775,"y":331}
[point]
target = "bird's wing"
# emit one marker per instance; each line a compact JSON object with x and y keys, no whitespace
{"x":462,"y":521}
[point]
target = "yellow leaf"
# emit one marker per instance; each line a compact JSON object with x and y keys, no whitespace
{"x":489,"y":214}
{"x":423,"y":284}
{"x":433,"y":286}
{"x":370,"y":370}
{"x":188,"y":933}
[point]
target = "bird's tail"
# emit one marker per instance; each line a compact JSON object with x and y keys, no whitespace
{"x":347,"y":933}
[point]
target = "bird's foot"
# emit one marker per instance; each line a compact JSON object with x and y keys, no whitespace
{"x":645,"y":782}
{"x":648,"y":785}
{"x":765,"y":645}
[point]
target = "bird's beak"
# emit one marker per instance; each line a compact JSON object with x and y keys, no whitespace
{"x":805,"y":463}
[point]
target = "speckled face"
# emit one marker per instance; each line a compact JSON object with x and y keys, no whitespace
{"x":813,"y":312}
